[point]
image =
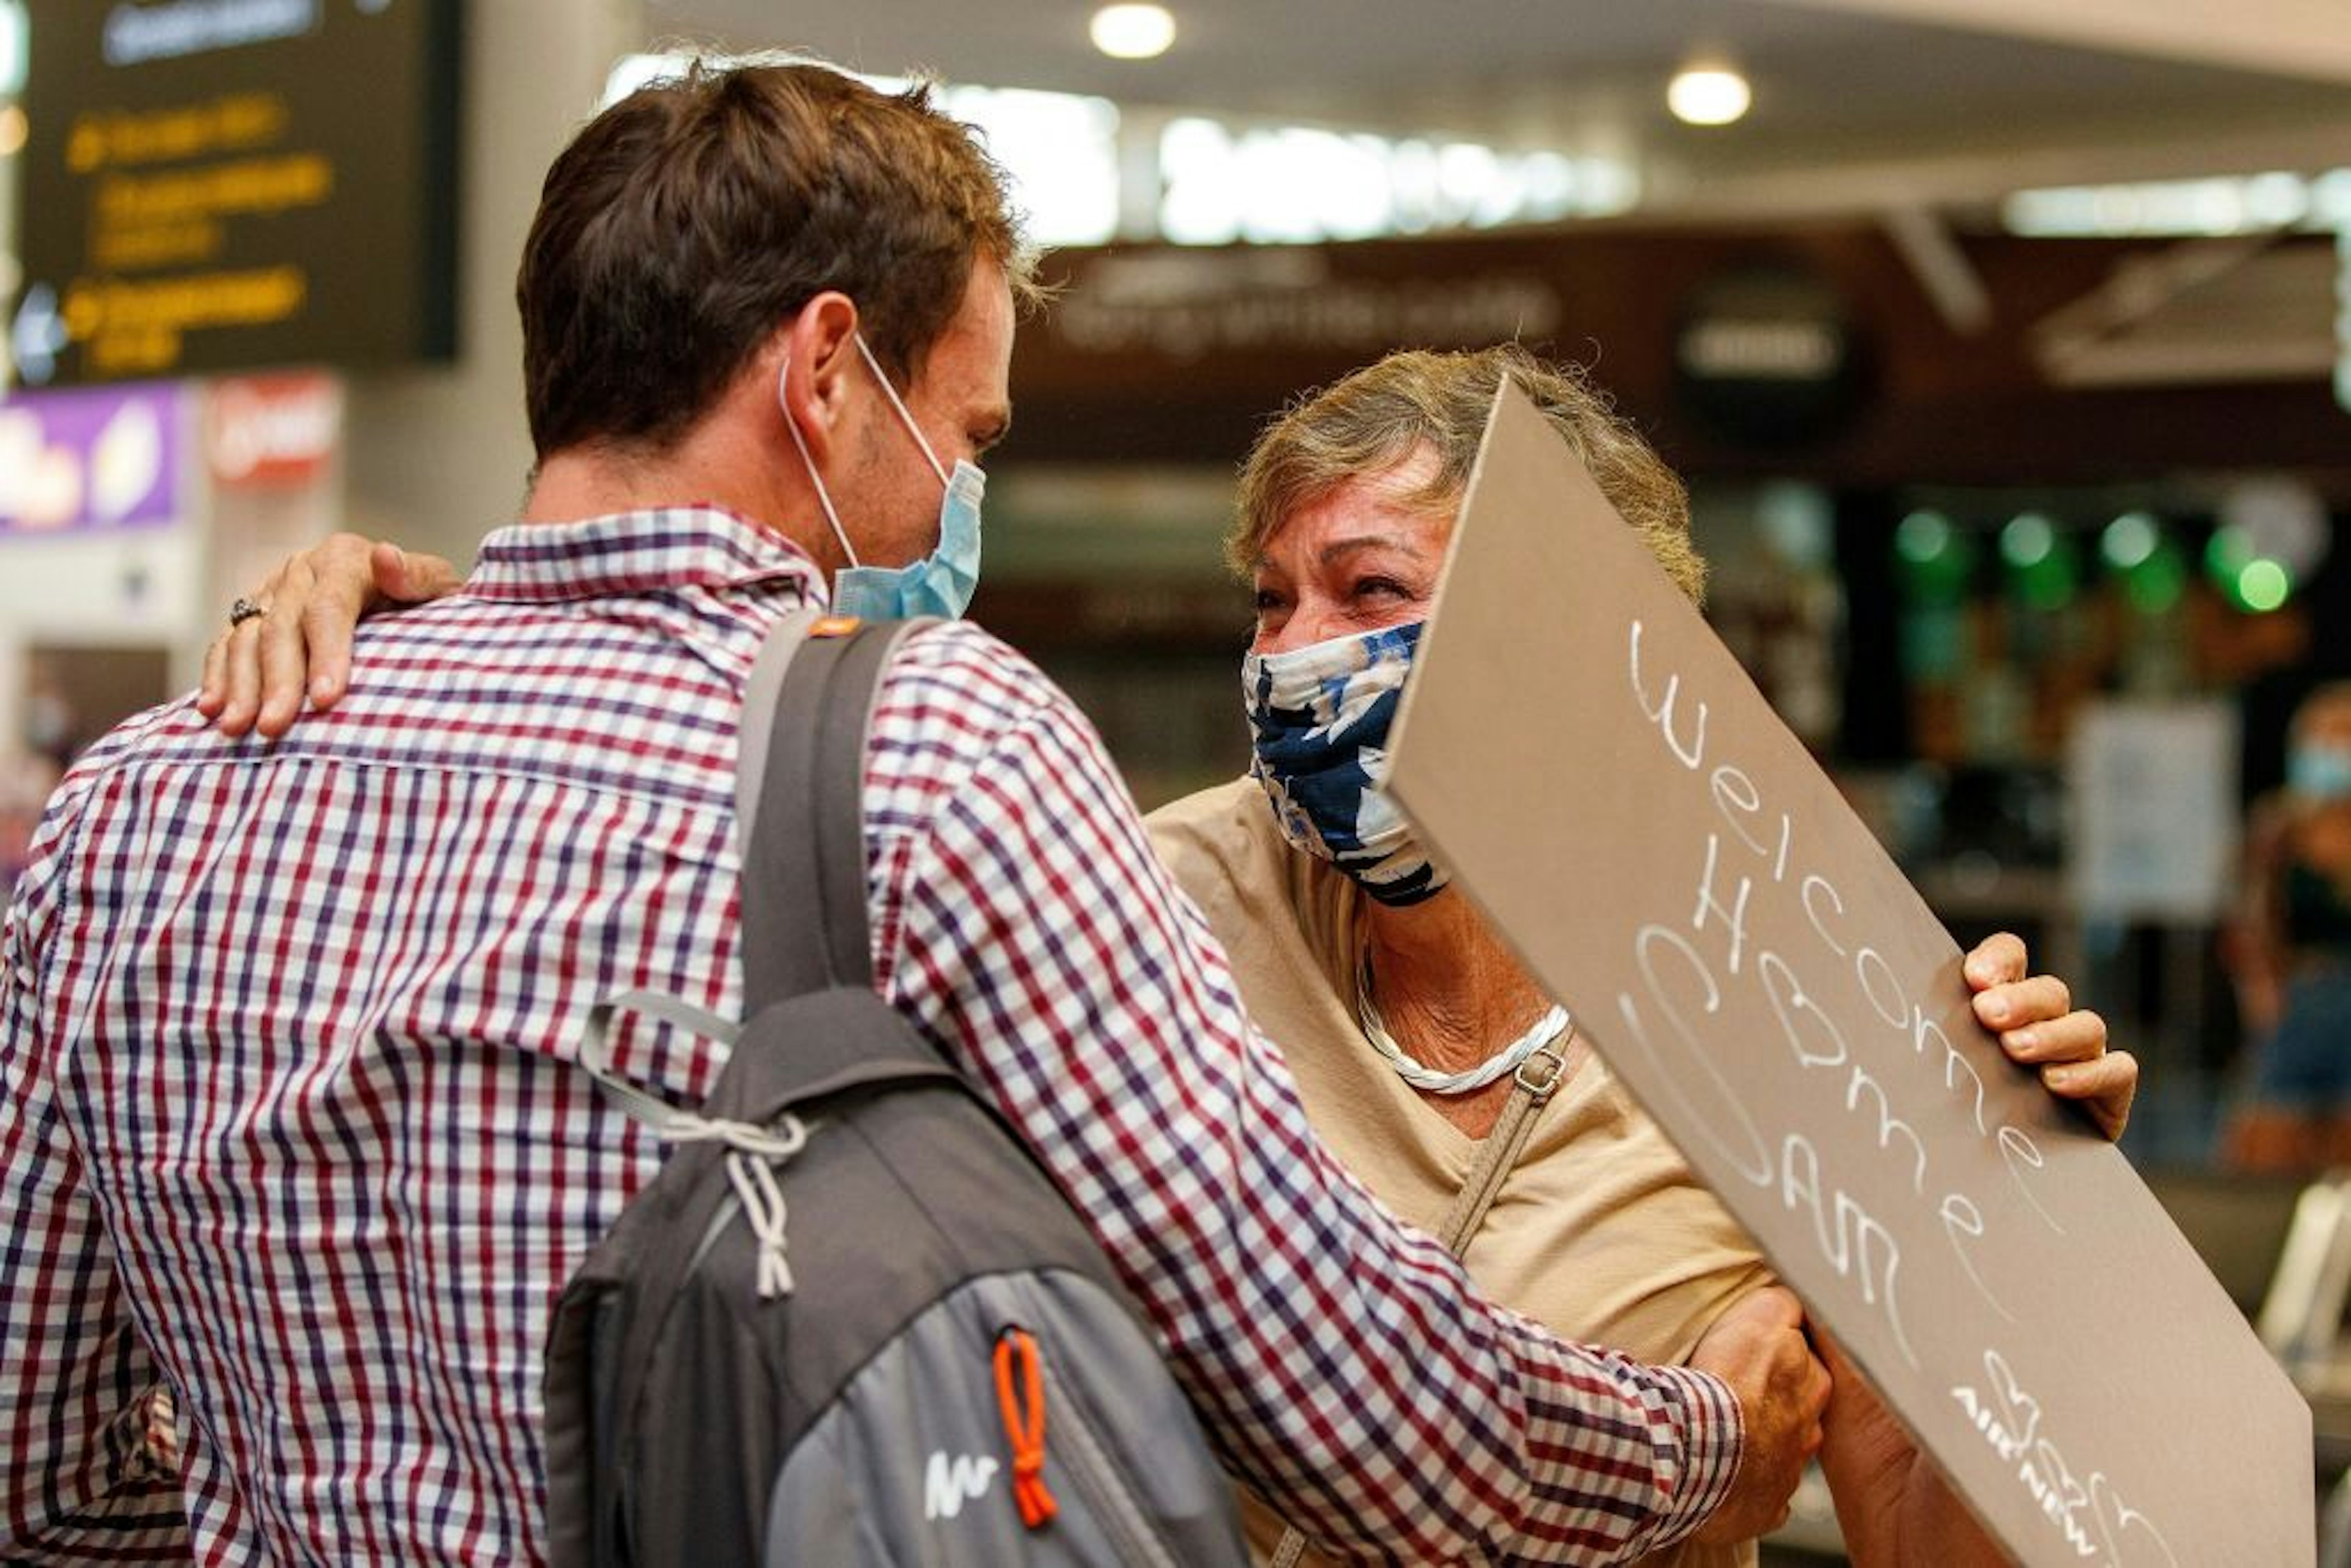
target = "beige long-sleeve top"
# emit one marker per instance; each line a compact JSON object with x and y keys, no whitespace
{"x":1601,"y":1232}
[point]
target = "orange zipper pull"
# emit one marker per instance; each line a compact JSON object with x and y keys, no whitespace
{"x":1026,"y":1432}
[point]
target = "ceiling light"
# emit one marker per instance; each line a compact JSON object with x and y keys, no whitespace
{"x":1133,"y":32}
{"x":1707,"y":94}
{"x":12,"y":47}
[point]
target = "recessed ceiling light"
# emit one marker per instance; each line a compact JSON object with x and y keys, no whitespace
{"x":1709,"y":94}
{"x":1133,"y":32}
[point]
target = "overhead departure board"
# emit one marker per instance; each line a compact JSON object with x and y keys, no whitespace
{"x":234,"y":184}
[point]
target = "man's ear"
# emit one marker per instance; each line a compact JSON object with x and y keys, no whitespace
{"x":816,"y":355}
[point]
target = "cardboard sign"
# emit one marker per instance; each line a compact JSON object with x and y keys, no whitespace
{"x":1669,"y":861}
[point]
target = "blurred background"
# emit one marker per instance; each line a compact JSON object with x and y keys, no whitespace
{"x":2005,"y":344}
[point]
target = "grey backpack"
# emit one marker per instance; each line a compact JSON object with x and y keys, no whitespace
{"x":851,"y":1322}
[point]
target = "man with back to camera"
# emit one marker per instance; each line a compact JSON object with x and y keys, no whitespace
{"x":297,"y":1161}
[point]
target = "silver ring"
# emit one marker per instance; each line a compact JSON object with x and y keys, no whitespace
{"x":243,"y":611}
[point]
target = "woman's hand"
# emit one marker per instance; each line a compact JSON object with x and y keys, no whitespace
{"x":256,"y":671}
{"x":2037,"y":1024}
{"x":1894,"y":1504}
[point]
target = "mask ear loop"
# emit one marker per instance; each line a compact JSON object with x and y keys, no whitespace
{"x":823,"y":498}
{"x":889,"y":391}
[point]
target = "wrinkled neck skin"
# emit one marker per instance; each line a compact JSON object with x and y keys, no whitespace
{"x":1449,"y":990}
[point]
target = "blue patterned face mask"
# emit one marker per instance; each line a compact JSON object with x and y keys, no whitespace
{"x":943,"y":581}
{"x":2319,"y":772}
{"x":1319,"y":716}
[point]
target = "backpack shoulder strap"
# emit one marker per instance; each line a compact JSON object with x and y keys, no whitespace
{"x":799,"y":788}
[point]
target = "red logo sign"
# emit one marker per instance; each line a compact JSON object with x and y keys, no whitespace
{"x":272,"y":430}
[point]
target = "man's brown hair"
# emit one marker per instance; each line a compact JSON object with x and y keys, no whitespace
{"x":1375,"y":418}
{"x":687,"y":222}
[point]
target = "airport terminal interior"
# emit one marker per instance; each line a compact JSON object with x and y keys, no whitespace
{"x":2005,"y":346}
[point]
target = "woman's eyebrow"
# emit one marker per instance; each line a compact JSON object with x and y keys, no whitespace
{"x":1339,"y":549}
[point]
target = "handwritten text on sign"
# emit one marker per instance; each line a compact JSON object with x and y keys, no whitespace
{"x":1684,"y":971}
{"x":1669,"y":861}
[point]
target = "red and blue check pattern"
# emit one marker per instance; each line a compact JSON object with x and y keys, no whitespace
{"x":292,"y":1133}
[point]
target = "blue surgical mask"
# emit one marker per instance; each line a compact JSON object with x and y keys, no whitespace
{"x":2319,"y":772}
{"x":1319,"y":718}
{"x":943,"y":581}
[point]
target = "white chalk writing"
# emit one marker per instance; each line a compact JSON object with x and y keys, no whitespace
{"x":1723,"y":913}
{"x":2090,"y":1516}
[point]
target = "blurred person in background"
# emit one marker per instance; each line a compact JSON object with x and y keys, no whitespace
{"x":2289,"y":952}
{"x":294,"y":1136}
{"x":1428,"y":1059}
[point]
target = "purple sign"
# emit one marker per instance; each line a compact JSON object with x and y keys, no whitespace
{"x":103,"y":458}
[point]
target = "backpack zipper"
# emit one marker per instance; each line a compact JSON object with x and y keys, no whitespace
{"x":1099,"y":1476}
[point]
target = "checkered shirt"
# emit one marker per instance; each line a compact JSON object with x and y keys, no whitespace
{"x":294,"y":1159}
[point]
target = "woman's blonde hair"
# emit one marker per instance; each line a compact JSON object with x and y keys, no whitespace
{"x":1375,"y":418}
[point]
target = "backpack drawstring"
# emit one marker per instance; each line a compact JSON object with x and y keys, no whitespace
{"x":754,"y":1151}
{"x":753,"y":1155}
{"x":755,"y":1183}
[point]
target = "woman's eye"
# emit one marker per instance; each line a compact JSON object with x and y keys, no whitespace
{"x":1381,"y":586}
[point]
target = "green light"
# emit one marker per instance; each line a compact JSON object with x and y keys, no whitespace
{"x":2048,"y":584}
{"x":2026,"y":541}
{"x":2263,"y":585}
{"x":2229,"y":553}
{"x":2128,"y":540}
{"x":1933,"y":559}
{"x":1923,"y":537}
{"x":1934,"y":643}
{"x":2156,"y":585}
{"x":2052,"y":578}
